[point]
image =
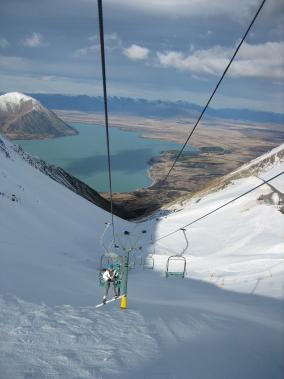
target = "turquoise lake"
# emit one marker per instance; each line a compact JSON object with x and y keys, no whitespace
{"x":84,"y":156}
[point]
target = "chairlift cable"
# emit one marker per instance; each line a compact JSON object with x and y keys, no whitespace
{"x":101,"y":28}
{"x":220,"y":207}
{"x":213,"y":93}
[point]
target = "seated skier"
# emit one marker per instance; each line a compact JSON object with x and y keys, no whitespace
{"x":110,"y":276}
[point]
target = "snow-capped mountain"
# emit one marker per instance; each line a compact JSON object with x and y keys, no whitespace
{"x":225,"y":319}
{"x":22,"y":117}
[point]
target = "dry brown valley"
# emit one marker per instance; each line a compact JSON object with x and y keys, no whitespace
{"x":224,"y":146}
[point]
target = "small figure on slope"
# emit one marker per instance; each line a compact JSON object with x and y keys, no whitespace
{"x":110,"y":276}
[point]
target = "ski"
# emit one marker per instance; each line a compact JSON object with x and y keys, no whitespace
{"x":108,"y":301}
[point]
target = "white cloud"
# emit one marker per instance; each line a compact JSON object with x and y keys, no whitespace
{"x":86,"y":50}
{"x":262,"y":60}
{"x":34,"y":40}
{"x":206,"y":34}
{"x":48,"y":78}
{"x":211,"y":61}
{"x":200,"y":78}
{"x":202,"y":8}
{"x":3,"y":43}
{"x":107,"y":37}
{"x":94,"y":37}
{"x":13,"y":63}
{"x":240,"y":11}
{"x":136,"y":52}
{"x":193,"y":8}
{"x":112,"y":42}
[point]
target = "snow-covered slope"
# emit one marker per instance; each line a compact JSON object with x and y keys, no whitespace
{"x":240,"y":247}
{"x":46,"y":231}
{"x":22,"y":117}
{"x":225,"y":320}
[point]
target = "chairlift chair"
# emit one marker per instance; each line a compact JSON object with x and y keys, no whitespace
{"x":179,"y":260}
{"x":132,"y":262}
{"x":132,"y":248}
{"x":149,"y":262}
{"x":171,"y":262}
{"x":117,"y":266}
{"x":108,"y":259}
{"x":139,"y":260}
{"x":105,"y":262}
{"x":109,"y":256}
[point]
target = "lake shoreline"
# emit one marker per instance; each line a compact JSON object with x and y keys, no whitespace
{"x":84,"y":156}
{"x":225,"y":145}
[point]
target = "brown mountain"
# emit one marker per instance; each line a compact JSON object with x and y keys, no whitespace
{"x":22,"y":117}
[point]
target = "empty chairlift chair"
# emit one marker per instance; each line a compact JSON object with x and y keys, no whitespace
{"x":134,"y":259}
{"x":149,"y":262}
{"x":132,"y":262}
{"x":176,"y":264}
{"x":139,"y":258}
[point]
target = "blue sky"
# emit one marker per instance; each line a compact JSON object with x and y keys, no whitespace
{"x":166,"y":49}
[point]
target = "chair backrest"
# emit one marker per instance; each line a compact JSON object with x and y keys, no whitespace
{"x":170,"y":266}
{"x":149,"y":263}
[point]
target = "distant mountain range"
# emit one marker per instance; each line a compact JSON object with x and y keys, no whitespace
{"x":23,"y":117}
{"x":152,"y":108}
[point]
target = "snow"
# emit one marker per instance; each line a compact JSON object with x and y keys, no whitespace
{"x":225,"y":320}
{"x":272,"y":153}
{"x":242,"y":244}
{"x":12,"y":102}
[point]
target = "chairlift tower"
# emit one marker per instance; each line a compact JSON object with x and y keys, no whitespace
{"x":127,"y":250}
{"x":123,"y":304}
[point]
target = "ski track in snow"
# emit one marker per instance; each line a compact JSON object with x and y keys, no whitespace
{"x":226,"y":320}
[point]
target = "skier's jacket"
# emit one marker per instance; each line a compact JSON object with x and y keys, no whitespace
{"x":107,"y":276}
